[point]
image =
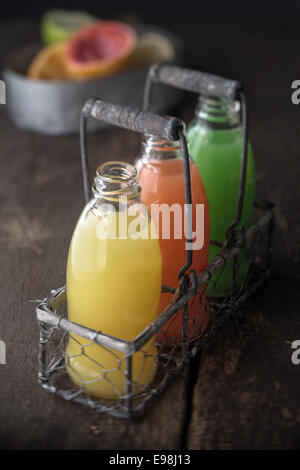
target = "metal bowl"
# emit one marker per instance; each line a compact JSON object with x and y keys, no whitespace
{"x":53,"y":107}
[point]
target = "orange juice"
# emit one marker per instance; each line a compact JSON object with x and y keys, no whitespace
{"x":113,"y":286}
{"x":162,"y":182}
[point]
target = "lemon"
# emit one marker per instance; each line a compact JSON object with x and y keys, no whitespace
{"x":151,"y":48}
{"x":59,"y":25}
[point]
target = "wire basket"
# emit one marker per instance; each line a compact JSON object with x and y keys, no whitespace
{"x":131,"y":358}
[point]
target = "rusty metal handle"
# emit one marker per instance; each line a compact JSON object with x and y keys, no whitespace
{"x":137,"y":120}
{"x":190,"y":80}
{"x":209,"y":85}
{"x":133,"y":119}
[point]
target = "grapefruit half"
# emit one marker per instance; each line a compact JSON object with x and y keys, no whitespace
{"x":100,"y":50}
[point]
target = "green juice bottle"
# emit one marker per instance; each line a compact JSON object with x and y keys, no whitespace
{"x":215,"y":144}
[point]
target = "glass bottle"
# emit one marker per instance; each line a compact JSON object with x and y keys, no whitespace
{"x":113,"y":283}
{"x":161,"y":176}
{"x":215,"y":144}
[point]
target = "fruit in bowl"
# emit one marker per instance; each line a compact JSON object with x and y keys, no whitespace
{"x":45,"y":96}
{"x":97,"y":50}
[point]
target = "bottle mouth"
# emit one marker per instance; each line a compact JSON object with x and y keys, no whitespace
{"x":218,"y":111}
{"x":157,"y":148}
{"x":116,"y":179}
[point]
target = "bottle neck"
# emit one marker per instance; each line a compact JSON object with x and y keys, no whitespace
{"x":155,"y":148}
{"x":219,"y":113}
{"x":115,"y":181}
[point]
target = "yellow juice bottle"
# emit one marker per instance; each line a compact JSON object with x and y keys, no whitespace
{"x":113,"y":284}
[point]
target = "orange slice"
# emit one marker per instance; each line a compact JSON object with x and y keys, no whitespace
{"x":50,"y":64}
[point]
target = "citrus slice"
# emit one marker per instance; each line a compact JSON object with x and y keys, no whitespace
{"x":49,"y":63}
{"x":100,"y":50}
{"x":151,"y":48}
{"x":59,"y":25}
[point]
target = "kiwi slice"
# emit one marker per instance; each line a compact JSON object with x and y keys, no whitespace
{"x":59,"y":25}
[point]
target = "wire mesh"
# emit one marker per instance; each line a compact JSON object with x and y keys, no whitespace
{"x":122,"y":377}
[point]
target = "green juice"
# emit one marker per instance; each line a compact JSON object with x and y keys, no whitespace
{"x":215,"y":144}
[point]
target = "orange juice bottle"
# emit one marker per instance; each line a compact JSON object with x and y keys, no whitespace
{"x":113,"y":284}
{"x":161,"y":176}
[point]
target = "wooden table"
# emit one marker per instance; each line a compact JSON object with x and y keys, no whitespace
{"x":246,"y":393}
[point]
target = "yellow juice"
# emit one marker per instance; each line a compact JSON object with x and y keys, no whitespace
{"x":113,"y":286}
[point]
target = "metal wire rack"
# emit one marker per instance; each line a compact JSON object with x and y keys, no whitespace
{"x":151,"y":348}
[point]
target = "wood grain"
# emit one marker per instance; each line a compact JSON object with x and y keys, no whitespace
{"x":247,"y":391}
{"x":41,"y":199}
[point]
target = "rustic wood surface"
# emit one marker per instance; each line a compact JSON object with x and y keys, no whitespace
{"x":247,"y":389}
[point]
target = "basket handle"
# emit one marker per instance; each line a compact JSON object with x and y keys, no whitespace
{"x":209,"y":85}
{"x":137,"y":120}
{"x":126,"y":117}
{"x":190,"y":80}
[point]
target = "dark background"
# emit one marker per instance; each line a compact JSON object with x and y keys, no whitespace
{"x":245,"y":394}
{"x":161,"y":10}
